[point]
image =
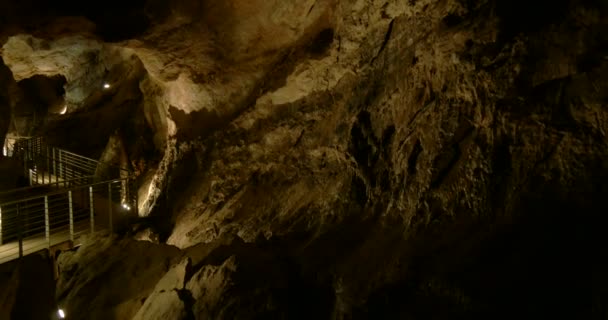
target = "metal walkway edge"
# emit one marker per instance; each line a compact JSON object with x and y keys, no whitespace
{"x":67,"y":198}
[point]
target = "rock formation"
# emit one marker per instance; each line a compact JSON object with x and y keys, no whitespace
{"x":5,"y":107}
{"x":332,"y":159}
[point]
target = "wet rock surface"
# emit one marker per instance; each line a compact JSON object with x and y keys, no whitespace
{"x":340,"y":159}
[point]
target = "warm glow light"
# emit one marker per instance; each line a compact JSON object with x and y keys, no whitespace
{"x":145,"y":203}
{"x":106,"y":85}
{"x":61,"y":314}
{"x":7,"y":148}
{"x":64,"y":110}
{"x":126,"y":207}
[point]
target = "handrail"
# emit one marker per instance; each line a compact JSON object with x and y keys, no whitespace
{"x":40,"y":186}
{"x":58,"y":162}
{"x":77,"y":155}
{"x":91,"y":160}
{"x":54,"y":193}
{"x":35,"y":222}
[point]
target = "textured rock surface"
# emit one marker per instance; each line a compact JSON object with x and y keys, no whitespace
{"x":344,"y":159}
{"x":165,"y":301}
{"x":110,"y":278}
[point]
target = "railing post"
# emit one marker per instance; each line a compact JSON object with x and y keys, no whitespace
{"x":71,"y":216}
{"x":20,"y":231}
{"x":110,"y":204}
{"x":26,"y":170}
{"x":0,"y":225}
{"x":60,"y":167}
{"x":47,"y":225}
{"x":55,"y":167}
{"x":124,"y":194}
{"x":91,"y":206}
{"x":132,"y":196}
{"x":136,"y":197}
{"x":48,"y":165}
{"x":33,"y":163}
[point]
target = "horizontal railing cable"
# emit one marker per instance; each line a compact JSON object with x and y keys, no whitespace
{"x":66,"y":199}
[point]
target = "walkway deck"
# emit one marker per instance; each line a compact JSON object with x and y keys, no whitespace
{"x":32,"y":244}
{"x":64,"y":199}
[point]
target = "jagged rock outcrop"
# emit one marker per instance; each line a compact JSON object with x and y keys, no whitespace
{"x":130,"y":271}
{"x":403,"y":159}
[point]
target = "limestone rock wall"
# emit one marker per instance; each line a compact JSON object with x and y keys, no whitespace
{"x":129,"y":271}
{"x":352,"y":159}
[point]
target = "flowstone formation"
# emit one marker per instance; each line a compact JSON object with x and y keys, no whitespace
{"x":334,"y":159}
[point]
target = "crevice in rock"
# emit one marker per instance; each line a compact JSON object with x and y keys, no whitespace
{"x":452,"y":20}
{"x":362,"y":148}
{"x":321,"y":43}
{"x":387,"y":37}
{"x":359,"y":192}
{"x":502,"y":166}
{"x":412,"y":160}
{"x":387,"y":139}
{"x":196,"y":124}
{"x":186,"y":297}
{"x":444,"y":163}
{"x":177,"y":183}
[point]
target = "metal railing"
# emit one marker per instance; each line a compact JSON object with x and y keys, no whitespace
{"x":43,"y":221}
{"x":44,"y":164}
{"x":65,"y":200}
{"x":14,"y":194}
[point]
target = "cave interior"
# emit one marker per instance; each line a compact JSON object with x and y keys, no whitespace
{"x":317,"y":159}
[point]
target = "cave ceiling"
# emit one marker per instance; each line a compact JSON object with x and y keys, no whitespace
{"x":365,"y":149}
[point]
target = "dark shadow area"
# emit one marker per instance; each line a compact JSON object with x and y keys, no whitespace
{"x":160,"y":219}
{"x":86,"y":129}
{"x":269,"y":286}
{"x":115,"y":271}
{"x":195,"y":124}
{"x":522,"y":16}
{"x":115,"y":20}
{"x":537,"y":264}
{"x":321,"y":43}
{"x":43,"y":91}
{"x":36,"y":97}
{"x":87,"y":133}
{"x":519,"y":16}
{"x":28,"y":283}
{"x":6,"y":77}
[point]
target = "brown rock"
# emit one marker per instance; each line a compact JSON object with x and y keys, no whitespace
{"x":404,"y":159}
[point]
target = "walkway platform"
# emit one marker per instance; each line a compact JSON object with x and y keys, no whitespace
{"x":33,"y":244}
{"x":66,"y":198}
